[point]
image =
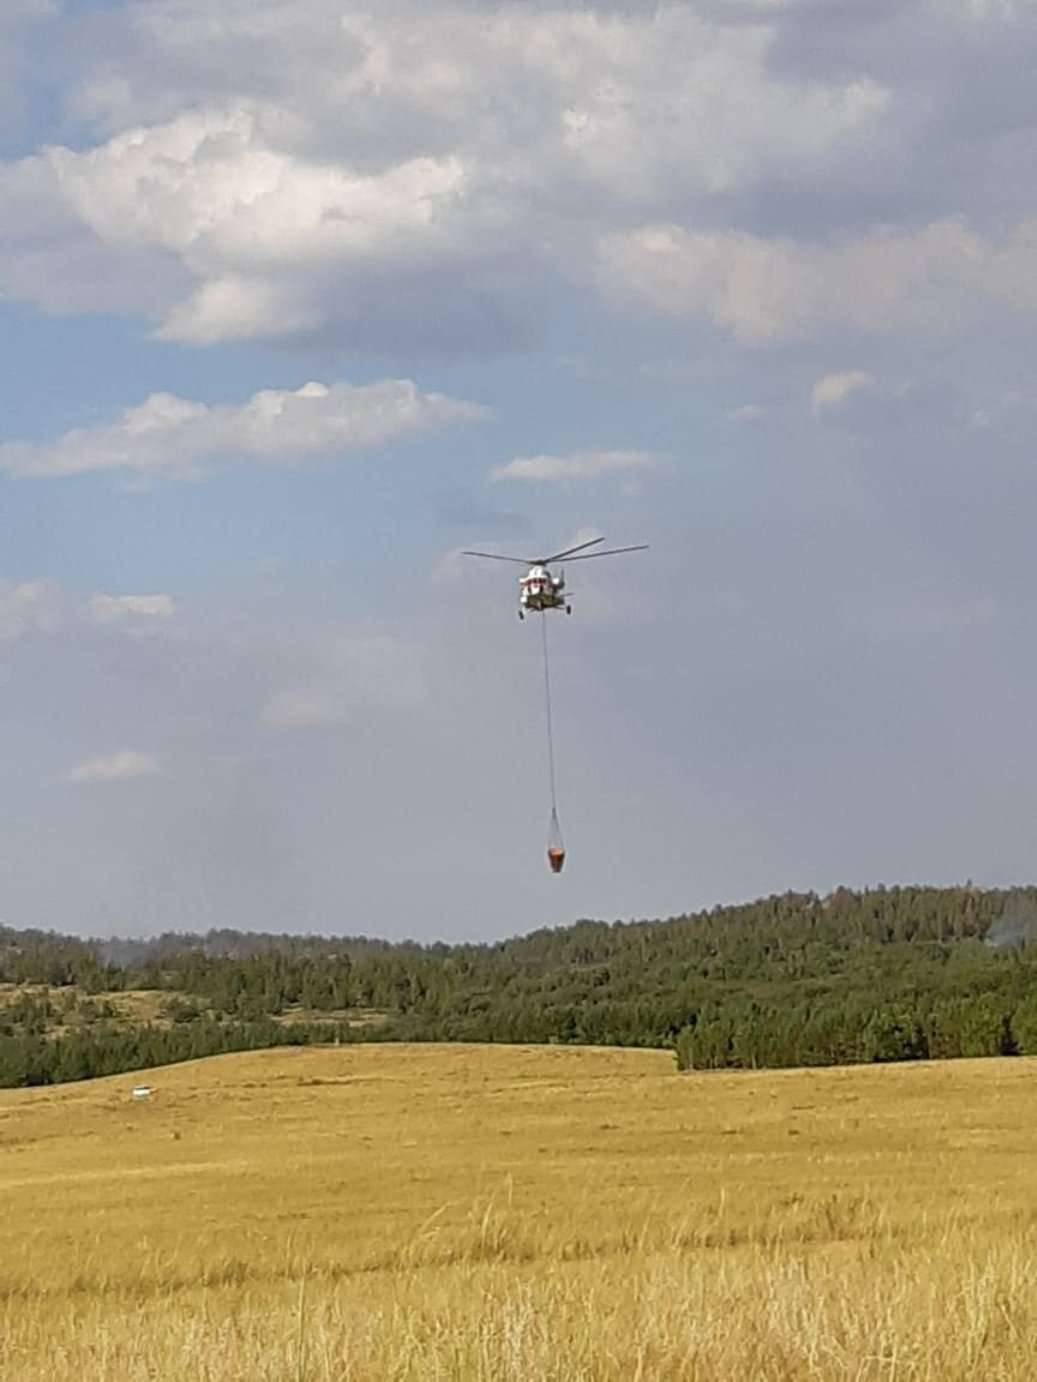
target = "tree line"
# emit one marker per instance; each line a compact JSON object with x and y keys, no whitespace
{"x":28,"y":1059}
{"x":798,"y":979}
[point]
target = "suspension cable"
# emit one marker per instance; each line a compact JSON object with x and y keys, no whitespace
{"x":547,"y":706}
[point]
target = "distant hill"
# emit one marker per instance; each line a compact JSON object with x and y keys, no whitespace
{"x":797,"y":979}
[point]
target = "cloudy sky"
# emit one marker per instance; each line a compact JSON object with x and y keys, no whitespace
{"x":298,"y":299}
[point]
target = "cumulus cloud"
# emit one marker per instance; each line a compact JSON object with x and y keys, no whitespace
{"x":425,"y":177}
{"x":167,"y":434}
{"x":115,"y":767}
{"x":578,"y":465}
{"x":859,"y":402}
{"x":832,"y":390}
{"x":933,"y":279}
{"x":27,"y":607}
{"x":220,"y":210}
{"x":295,"y":191}
{"x":130,"y":609}
{"x":43,"y":607}
{"x":622,"y":96}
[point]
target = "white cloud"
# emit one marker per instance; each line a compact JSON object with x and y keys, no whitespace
{"x":886,"y":281}
{"x":42,"y":607}
{"x":625,"y":98}
{"x":115,"y":767}
{"x":214,"y":188}
{"x":277,"y":169}
{"x":166,"y":434}
{"x":832,"y":390}
{"x":27,"y":607}
{"x":578,"y":465}
{"x":124,"y":609}
{"x":859,"y":402}
{"x":291,"y":168}
{"x":212,"y":199}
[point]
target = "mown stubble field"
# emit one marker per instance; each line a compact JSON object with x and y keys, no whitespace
{"x":450,"y":1212}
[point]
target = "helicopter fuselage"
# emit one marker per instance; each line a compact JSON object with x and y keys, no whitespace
{"x":540,"y":591}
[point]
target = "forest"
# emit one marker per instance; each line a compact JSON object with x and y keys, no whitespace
{"x":884,"y":974}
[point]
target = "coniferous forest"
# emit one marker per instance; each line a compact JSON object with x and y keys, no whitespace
{"x":888,"y":974}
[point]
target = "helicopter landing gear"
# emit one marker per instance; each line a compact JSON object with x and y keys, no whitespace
{"x":521,"y":614}
{"x":568,"y":609}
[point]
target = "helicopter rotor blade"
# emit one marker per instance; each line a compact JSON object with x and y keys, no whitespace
{"x":569,"y":550}
{"x":496,"y":556}
{"x":612,"y":552}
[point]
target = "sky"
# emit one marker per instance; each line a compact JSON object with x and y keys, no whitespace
{"x":300,"y":299}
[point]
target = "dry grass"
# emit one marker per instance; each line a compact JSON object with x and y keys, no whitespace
{"x":355,"y":1017}
{"x":138,"y":1007}
{"x":494,"y":1213}
{"x":132,"y":1006}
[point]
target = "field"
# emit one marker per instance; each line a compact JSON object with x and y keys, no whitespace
{"x":516,"y":1213}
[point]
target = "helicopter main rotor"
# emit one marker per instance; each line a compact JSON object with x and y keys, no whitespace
{"x":569,"y":554}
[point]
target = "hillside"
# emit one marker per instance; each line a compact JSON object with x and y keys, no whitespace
{"x":882,"y":975}
{"x":514,"y":1213}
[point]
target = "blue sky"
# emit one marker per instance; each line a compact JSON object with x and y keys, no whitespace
{"x":286,"y":289}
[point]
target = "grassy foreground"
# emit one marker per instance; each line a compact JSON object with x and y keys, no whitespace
{"x":512,"y":1213}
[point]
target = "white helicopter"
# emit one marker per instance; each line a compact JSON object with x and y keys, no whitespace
{"x":539,"y":590}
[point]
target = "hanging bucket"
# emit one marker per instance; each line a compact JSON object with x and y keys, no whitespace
{"x":555,"y":844}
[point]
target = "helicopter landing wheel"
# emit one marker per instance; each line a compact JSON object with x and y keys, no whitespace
{"x":568,"y":609}
{"x":521,"y":615}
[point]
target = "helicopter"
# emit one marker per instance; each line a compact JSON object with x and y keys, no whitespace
{"x":539,"y":590}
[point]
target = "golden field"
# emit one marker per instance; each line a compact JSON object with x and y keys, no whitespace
{"x":450,"y":1212}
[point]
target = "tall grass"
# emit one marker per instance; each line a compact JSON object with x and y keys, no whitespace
{"x":869,"y":1309}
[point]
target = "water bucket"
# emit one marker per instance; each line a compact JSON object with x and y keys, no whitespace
{"x":555,"y":843}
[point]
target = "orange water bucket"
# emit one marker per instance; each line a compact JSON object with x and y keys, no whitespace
{"x":556,"y":858}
